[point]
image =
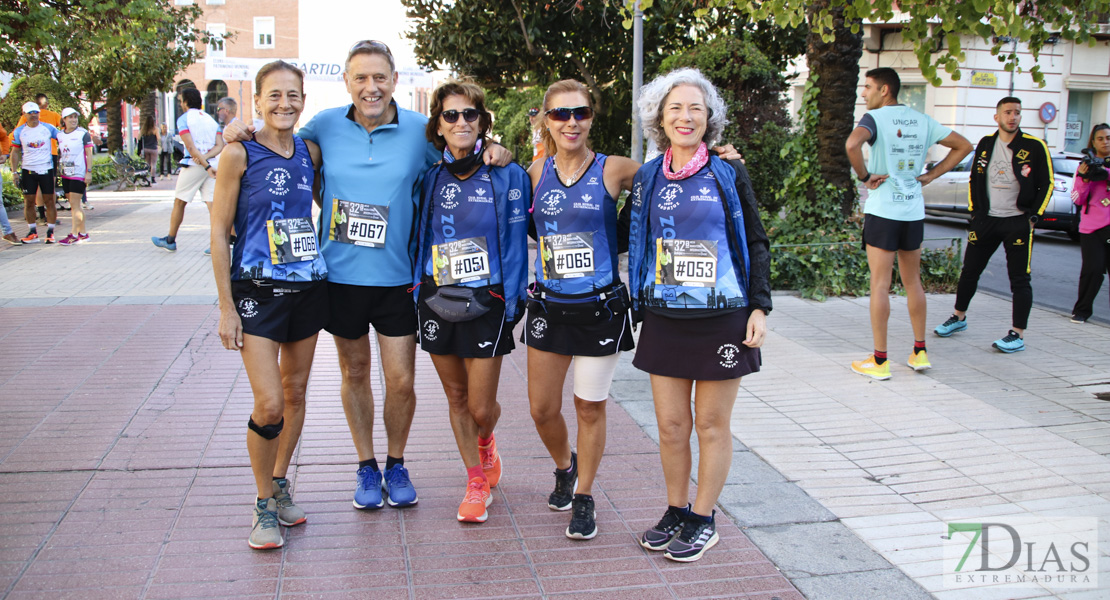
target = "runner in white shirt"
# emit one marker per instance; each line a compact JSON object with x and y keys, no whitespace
{"x":33,"y":170}
{"x":75,"y":154}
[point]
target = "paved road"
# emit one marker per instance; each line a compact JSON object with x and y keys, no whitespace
{"x":1055,"y":269}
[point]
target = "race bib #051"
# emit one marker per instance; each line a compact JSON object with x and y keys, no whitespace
{"x":567,"y":255}
{"x":291,"y":240}
{"x":686,"y":262}
{"x":358,"y":224}
{"x":461,"y":261}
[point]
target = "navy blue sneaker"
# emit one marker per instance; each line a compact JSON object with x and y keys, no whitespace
{"x":399,"y":487}
{"x":696,"y":537}
{"x":161,"y":242}
{"x":368,"y":492}
{"x":657,"y":538}
{"x":1011,"y":343}
{"x":952,"y":325}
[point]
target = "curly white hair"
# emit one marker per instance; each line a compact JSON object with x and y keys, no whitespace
{"x":655,"y":93}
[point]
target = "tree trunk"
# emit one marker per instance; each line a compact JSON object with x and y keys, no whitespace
{"x":115,"y":124}
{"x":149,"y":106}
{"x":837,"y":65}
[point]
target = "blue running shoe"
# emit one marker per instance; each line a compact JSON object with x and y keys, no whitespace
{"x":165,"y":244}
{"x":952,"y":325}
{"x":399,"y":487}
{"x":368,"y":492}
{"x":1011,"y":343}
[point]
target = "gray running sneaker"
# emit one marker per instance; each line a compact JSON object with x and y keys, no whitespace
{"x":266,"y":533}
{"x":696,"y":537}
{"x":289,"y":514}
{"x":666,"y":529}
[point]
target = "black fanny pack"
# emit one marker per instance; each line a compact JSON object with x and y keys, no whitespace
{"x":579,"y":309}
{"x":455,"y":303}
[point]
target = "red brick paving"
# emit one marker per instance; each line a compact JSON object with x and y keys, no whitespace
{"x":123,"y":474}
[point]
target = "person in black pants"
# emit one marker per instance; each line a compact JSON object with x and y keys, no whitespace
{"x":1091,"y":192}
{"x":1011,"y":183}
{"x":165,"y":151}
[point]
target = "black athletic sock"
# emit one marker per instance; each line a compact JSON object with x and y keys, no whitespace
{"x":32,"y":229}
{"x":390,"y":461}
{"x":918,"y":346}
{"x":170,"y":239}
{"x":372,"y":463}
{"x":704,"y":518}
{"x":880,"y":357}
{"x":49,"y":229}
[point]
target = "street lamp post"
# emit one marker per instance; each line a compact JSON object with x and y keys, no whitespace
{"x":637,"y":80}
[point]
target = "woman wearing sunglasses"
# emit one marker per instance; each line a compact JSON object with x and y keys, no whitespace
{"x":699,"y":273}
{"x":578,"y":307}
{"x":470,"y":276}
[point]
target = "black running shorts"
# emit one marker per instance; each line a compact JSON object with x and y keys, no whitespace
{"x":281,"y":311}
{"x":598,"y":339}
{"x":891,"y":235}
{"x":484,"y":337}
{"x":73,"y":186}
{"x":355,"y":308}
{"x":35,"y":182}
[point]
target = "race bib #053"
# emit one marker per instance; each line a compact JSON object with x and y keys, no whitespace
{"x":686,"y":262}
{"x":461,"y":261}
{"x":567,"y":255}
{"x":291,"y":240}
{"x":358,"y":224}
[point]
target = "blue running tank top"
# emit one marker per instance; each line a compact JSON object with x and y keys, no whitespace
{"x":273,"y":219}
{"x":465,"y":246}
{"x":694,"y":267}
{"x":576,"y":227}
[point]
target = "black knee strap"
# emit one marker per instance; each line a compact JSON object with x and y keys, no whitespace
{"x":268,"y":432}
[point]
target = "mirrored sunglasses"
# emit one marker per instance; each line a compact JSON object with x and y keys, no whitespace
{"x":580,"y":113}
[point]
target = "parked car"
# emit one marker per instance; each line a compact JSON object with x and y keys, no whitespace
{"x":947,"y":195}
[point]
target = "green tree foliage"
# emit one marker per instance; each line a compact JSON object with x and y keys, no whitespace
{"x":532,"y":43}
{"x":116,"y":50}
{"x":25,"y":89}
{"x":511,"y":124}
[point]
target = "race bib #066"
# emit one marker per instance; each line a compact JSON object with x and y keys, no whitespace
{"x":358,"y":224}
{"x":291,"y":240}
{"x":461,"y":261}
{"x":567,"y":255}
{"x":686,"y":262}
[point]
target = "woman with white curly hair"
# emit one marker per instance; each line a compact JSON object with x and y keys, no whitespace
{"x":699,"y":277}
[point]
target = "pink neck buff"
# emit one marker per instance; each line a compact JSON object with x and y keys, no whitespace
{"x":700,"y":158}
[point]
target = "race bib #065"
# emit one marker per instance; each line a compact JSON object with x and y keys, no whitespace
{"x":567,"y":255}
{"x":686,"y":262}
{"x":461,"y":261}
{"x":291,"y":240}
{"x":358,"y":224}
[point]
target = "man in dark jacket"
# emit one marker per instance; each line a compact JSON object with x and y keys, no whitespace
{"x":1011,"y":183}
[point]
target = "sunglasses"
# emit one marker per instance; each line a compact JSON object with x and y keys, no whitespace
{"x":580,"y":113}
{"x":468,"y":114}
{"x":533,"y":112}
{"x":375,"y":44}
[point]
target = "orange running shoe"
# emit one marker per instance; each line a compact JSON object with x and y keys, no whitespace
{"x":491,"y":461}
{"x":478,"y":497}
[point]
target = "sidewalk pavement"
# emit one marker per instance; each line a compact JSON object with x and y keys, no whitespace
{"x":123,"y":472}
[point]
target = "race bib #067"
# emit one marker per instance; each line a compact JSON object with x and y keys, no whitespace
{"x":291,"y":240}
{"x":567,"y":255}
{"x":686,"y":262}
{"x":358,"y":224}
{"x":461,"y":261}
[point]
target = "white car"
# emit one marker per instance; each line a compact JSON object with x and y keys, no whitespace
{"x":947,"y":194}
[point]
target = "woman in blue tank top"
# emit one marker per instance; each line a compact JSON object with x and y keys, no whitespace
{"x":273,"y":300}
{"x":469,"y":277}
{"x":699,"y":276}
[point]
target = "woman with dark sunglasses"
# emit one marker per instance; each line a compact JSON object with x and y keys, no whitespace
{"x":469,"y":278}
{"x":578,"y":307}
